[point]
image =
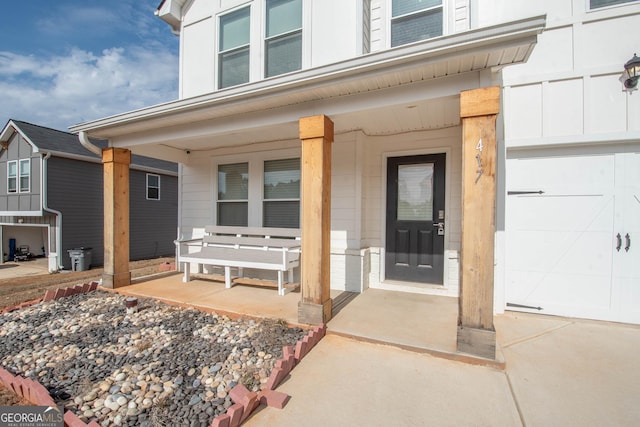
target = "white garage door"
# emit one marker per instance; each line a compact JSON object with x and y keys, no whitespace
{"x":573,"y":234}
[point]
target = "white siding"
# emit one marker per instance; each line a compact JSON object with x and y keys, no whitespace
{"x":198,"y":59}
{"x":334,"y":31}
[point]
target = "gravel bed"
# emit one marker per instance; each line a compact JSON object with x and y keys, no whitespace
{"x":154,"y":367}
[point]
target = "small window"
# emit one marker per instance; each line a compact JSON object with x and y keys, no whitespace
{"x":25,"y":175}
{"x":12,"y":176}
{"x":153,"y":187}
{"x":596,"y":4}
{"x":283,"y":38}
{"x":281,"y":205}
{"x":233,"y":58}
{"x":233,"y":194}
{"x":415,"y":20}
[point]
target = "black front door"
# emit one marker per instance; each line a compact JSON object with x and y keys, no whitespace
{"x":415,"y":218}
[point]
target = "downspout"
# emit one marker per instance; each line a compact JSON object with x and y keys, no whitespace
{"x":84,"y":140}
{"x":58,"y":214}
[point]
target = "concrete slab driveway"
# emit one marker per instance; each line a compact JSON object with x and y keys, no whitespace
{"x":560,"y":372}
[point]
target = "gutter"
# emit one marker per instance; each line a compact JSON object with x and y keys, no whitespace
{"x":84,"y":140}
{"x":58,"y":214}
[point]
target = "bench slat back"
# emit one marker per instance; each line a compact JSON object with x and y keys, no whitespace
{"x":264,"y":232}
{"x":257,"y":242}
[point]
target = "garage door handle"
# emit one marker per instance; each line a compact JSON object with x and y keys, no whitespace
{"x":619,"y":239}
{"x":628,"y":240}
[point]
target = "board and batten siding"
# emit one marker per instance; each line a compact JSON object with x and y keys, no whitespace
{"x":570,"y":131}
{"x":153,"y":224}
{"x":19,"y":149}
{"x":75,"y":188}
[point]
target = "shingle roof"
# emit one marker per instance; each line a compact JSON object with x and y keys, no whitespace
{"x":47,"y":139}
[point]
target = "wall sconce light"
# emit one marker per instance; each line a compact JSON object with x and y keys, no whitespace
{"x":631,"y":74}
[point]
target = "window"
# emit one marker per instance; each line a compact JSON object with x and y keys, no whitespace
{"x":153,"y":187}
{"x":25,"y":175}
{"x":595,"y":4}
{"x":414,"y":20}
{"x":233,"y":194}
{"x":233,"y":58}
{"x":283,"y":38}
{"x":281,"y":205}
{"x":12,"y":176}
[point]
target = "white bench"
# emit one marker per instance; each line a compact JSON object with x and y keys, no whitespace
{"x":275,"y":249}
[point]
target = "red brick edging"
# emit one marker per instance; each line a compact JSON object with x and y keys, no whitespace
{"x":245,"y":401}
{"x":54,"y":294}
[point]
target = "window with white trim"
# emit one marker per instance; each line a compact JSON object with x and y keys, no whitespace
{"x":233,"y":194}
{"x":234,"y":48}
{"x":153,"y":187}
{"x":25,"y":175}
{"x":415,"y":20}
{"x":596,"y":4}
{"x":281,"y":203}
{"x":283,"y":37}
{"x":12,"y":176}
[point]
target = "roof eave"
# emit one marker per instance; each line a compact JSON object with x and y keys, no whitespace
{"x":522,"y":31}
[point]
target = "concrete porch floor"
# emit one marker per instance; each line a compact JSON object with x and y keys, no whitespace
{"x":423,"y":323}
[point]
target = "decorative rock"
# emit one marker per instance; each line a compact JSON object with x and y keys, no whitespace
{"x":126,"y":367}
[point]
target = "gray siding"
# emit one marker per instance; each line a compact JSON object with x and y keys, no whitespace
{"x":19,"y":149}
{"x":153,"y":223}
{"x":75,"y":189}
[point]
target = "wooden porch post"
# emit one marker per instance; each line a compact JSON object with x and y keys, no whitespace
{"x":478,"y":112}
{"x":316,"y":134}
{"x":116,"y":217}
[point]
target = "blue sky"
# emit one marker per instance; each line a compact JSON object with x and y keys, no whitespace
{"x":63,"y":62}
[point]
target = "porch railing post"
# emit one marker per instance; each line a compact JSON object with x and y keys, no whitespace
{"x":116,"y":163}
{"x":478,"y":112}
{"x":316,"y":134}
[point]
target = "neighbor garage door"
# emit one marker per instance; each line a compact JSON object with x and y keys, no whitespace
{"x":573,"y":232}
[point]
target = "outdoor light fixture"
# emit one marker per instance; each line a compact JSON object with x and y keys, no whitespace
{"x":631,"y":74}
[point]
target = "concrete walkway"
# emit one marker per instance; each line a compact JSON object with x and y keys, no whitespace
{"x":559,"y":372}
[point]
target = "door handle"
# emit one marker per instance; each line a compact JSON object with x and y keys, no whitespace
{"x":619,"y":244}
{"x":627,"y":239}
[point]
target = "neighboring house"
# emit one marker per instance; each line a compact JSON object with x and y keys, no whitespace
{"x":401,"y":88}
{"x":51,"y":197}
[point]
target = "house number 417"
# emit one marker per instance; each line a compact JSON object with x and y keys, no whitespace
{"x":480,"y":169}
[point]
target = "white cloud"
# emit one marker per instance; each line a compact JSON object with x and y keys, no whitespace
{"x":60,"y":91}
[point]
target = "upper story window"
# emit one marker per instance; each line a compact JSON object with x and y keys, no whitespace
{"x":25,"y":175}
{"x":234,"y":41}
{"x":153,"y":187}
{"x":283,"y":37}
{"x":415,"y":20}
{"x":19,"y":171}
{"x":12,"y":176}
{"x":595,"y":4}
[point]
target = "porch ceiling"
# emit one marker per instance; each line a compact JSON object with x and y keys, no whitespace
{"x":355,"y":93}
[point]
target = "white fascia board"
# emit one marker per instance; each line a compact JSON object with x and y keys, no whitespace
{"x":12,"y":128}
{"x":170,"y":11}
{"x":21,"y":213}
{"x":416,"y":54}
